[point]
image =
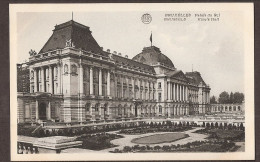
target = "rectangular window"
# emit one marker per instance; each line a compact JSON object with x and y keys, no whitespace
{"x":124,"y":93}
{"x":159,"y":96}
{"x":159,"y":85}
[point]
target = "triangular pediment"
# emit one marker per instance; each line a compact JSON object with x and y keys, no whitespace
{"x":179,"y":75}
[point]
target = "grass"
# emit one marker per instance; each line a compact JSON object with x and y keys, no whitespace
{"x":160,"y":138}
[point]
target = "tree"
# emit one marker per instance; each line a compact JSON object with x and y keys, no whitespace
{"x":213,"y":100}
{"x":238,"y":97}
{"x":231,"y":98}
{"x":223,"y":97}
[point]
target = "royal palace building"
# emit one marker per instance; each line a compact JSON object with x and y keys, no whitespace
{"x":72,"y":79}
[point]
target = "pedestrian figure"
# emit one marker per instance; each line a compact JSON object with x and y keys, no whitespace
{"x":20,"y":150}
{"x":29,"y":150}
{"x":24,"y":150}
{"x":33,"y":150}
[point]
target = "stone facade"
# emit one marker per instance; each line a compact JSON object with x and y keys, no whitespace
{"x":73,"y":80}
{"x":227,"y":108}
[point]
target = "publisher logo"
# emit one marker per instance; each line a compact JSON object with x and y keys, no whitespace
{"x":146,"y":18}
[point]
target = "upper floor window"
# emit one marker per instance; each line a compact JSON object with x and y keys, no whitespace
{"x":73,"y":69}
{"x":66,"y":68}
{"x":56,"y":72}
{"x":159,"y":85}
{"x":32,"y":74}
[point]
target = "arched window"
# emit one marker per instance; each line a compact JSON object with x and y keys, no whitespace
{"x":230,"y":108}
{"x":238,"y":108}
{"x":97,"y":107}
{"x":160,"y":109}
{"x":87,"y":106}
{"x":234,"y":108}
{"x":66,"y":68}
{"x":73,"y":69}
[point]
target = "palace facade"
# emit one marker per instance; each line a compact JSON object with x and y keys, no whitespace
{"x":72,"y":79}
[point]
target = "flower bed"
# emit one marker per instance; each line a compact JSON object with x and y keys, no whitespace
{"x":196,"y":146}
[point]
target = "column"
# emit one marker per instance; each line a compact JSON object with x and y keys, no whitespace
{"x":133,"y":88}
{"x":42,"y":79}
{"x":35,"y":80}
{"x":59,"y":79}
{"x":169,"y":111}
{"x":138,"y":82}
{"x":183,"y":93}
{"x":108,"y":83}
{"x":174,"y":93}
{"x":209,"y":97}
{"x":168,"y":91}
{"x":182,"y":99}
{"x":80,"y":79}
{"x":99,"y":110}
{"x":50,"y":79}
{"x":91,"y":80}
{"x":100,"y":83}
{"x":49,"y":111}
{"x":187,"y":93}
{"x":122,"y":86}
{"x":36,"y":110}
{"x":155,"y":92}
{"x":177,"y":92}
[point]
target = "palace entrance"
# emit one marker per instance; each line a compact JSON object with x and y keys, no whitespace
{"x":42,"y":111}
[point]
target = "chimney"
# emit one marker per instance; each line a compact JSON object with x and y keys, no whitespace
{"x":115,"y":52}
{"x":108,"y":50}
{"x":126,"y":56}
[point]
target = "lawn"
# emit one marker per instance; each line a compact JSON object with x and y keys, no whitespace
{"x":160,"y":138}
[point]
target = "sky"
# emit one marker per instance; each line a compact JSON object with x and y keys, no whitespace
{"x":215,"y":48}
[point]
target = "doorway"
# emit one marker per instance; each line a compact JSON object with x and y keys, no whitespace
{"x":42,"y":111}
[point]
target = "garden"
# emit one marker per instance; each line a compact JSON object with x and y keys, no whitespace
{"x":197,"y":146}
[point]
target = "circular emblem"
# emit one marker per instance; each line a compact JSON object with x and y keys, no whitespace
{"x":146,"y":18}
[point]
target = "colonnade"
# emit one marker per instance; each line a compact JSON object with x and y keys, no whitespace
{"x":125,"y":88}
{"x":206,"y":97}
{"x":194,"y":95}
{"x":46,"y":79}
{"x":177,"y":92}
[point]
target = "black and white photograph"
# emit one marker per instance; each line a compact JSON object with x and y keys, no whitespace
{"x":132,"y":81}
